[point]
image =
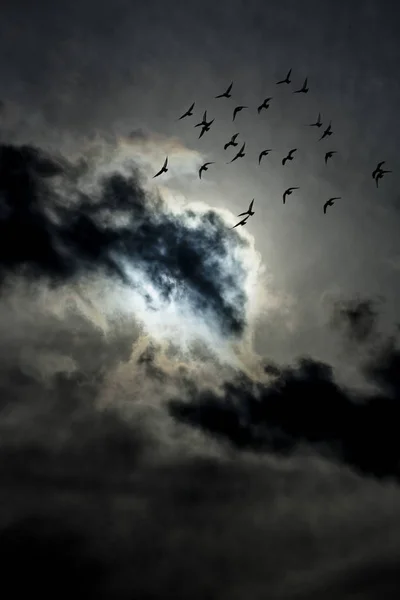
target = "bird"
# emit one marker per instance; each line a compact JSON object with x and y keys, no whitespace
{"x":288,"y":192}
{"x":236,"y":110}
{"x":164,"y":168}
{"x":330,"y":202}
{"x":329,"y":155}
{"x":378,"y":168}
{"x":264,"y":105}
{"x":264,"y":153}
{"x":249,"y":211}
{"x":240,"y":154}
{"x":188,"y":113}
{"x":203,"y":121}
{"x":289,"y":156}
{"x":303,"y":89}
{"x":204,"y":167}
{"x":242,"y":222}
{"x":379,"y":175}
{"x":227,"y":93}
{"x":287,"y":78}
{"x":232,"y":141}
{"x":318,"y":122}
{"x":206,"y":127}
{"x":328,"y":131}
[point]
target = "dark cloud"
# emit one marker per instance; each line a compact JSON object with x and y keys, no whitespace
{"x":39,"y":554}
{"x":357,"y":318}
{"x":203,"y":529}
{"x":304,"y":404}
{"x":184,"y":261}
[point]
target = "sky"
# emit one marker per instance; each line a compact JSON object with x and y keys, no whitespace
{"x":190,"y":410}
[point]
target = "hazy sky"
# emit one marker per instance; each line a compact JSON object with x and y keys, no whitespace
{"x":187,"y":410}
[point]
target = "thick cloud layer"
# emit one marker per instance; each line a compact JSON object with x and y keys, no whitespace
{"x":93,"y":495}
{"x":50,"y":226}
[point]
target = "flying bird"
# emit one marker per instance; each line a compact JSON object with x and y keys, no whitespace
{"x":249,"y":211}
{"x":318,"y":122}
{"x":227,"y":93}
{"x":264,"y":153}
{"x":188,"y":113}
{"x":206,"y":127}
{"x":289,"y":156}
{"x":164,"y":168}
{"x":264,"y":105}
{"x":240,"y":154}
{"x":236,"y":110}
{"x":304,"y":89}
{"x":379,"y":175}
{"x":330,"y":202}
{"x":204,"y":120}
{"x":232,"y":141}
{"x":242,"y":222}
{"x":204,"y":167}
{"x":378,"y":168}
{"x":287,"y":78}
{"x":328,"y":131}
{"x":288,"y":192}
{"x":329,"y":155}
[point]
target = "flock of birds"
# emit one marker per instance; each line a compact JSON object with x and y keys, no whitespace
{"x":205,"y":125}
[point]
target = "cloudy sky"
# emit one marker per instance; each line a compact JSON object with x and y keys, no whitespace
{"x":190,"y":410}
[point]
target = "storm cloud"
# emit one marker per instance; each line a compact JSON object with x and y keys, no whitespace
{"x":51,"y":227}
{"x":304,"y":405}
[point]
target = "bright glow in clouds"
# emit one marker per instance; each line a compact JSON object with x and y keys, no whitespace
{"x":175,"y":319}
{"x":188,"y":278}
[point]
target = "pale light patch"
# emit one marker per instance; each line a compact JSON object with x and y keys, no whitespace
{"x":150,"y":151}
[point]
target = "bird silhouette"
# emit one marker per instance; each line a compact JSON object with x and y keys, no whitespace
{"x":287,"y":78}
{"x":378,"y":168}
{"x":232,"y":141}
{"x":330,"y":202}
{"x":203,"y":121}
{"x":204,"y":168}
{"x":264,"y":153}
{"x":249,"y":211}
{"x":227,"y":93}
{"x":288,"y":192}
{"x":163,"y":169}
{"x":329,"y":155}
{"x":304,"y":89}
{"x":328,"y":131}
{"x":242,"y":222}
{"x":236,"y":110}
{"x":206,"y":127}
{"x":380,"y":175}
{"x":264,"y":105}
{"x":188,"y":113}
{"x":289,"y":156}
{"x":318,"y":122}
{"x":240,"y":154}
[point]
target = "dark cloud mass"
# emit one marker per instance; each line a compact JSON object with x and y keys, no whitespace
{"x":182,"y":259}
{"x":304,"y":404}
